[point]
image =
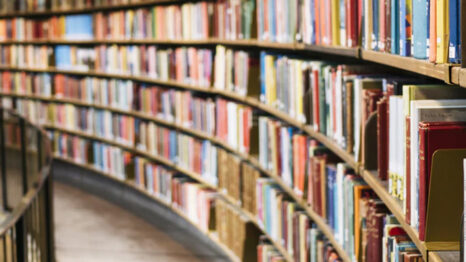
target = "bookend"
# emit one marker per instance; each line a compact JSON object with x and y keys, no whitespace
{"x":445,"y":200}
{"x":370,"y":153}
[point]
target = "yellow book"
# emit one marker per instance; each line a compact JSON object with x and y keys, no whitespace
{"x":335,"y":22}
{"x":129,"y":22}
{"x":290,"y":211}
{"x":368,"y":26}
{"x":270,"y":80}
{"x":124,"y":60}
{"x":299,"y":91}
{"x":61,"y":26}
{"x":442,"y":31}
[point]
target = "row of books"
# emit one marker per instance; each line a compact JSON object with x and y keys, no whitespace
{"x":184,"y":21}
{"x":103,"y":157}
{"x":191,"y":65}
{"x":386,"y":26}
{"x":7,"y":6}
{"x":196,"y":155}
{"x":361,"y":223}
{"x":30,"y":56}
{"x":229,"y":121}
{"x":319,"y":250}
{"x":427,"y":29}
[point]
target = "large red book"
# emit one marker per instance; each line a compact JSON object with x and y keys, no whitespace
{"x":434,"y":136}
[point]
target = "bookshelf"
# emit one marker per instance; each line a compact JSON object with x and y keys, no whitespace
{"x":448,"y":73}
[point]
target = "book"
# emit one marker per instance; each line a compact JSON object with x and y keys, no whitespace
{"x":433,"y":136}
{"x":420,"y":28}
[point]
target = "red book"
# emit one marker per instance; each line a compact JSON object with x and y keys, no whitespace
{"x":408,"y":169}
{"x":434,"y":136}
{"x":352,"y":22}
{"x":382,"y":138}
{"x":382,"y":27}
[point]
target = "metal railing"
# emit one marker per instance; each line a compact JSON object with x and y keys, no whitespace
{"x":26,"y":207}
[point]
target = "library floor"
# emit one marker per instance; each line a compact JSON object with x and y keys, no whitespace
{"x":89,"y":229}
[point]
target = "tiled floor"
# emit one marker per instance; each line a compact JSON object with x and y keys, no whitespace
{"x":90,"y":229}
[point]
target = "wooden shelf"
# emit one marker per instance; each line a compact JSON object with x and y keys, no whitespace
{"x":423,"y":67}
{"x":449,"y":73}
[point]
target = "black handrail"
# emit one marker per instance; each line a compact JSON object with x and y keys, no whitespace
{"x":26,"y":225}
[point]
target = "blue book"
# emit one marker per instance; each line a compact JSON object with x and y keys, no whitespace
{"x":261,"y":21}
{"x":173,"y":153}
{"x":342,"y":22}
{"x":395,"y":26}
{"x":62,"y":56}
{"x":313,"y":23}
{"x":272,"y":30}
{"x":402,"y":26}
{"x":136,"y":170}
{"x":420,"y":28}
{"x":375,"y":25}
{"x":267,"y":224}
{"x":331,"y":178}
{"x":405,"y":24}
{"x":454,"y":50}
{"x":262,"y":65}
{"x":79,"y":27}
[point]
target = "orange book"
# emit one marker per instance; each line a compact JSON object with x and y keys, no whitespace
{"x":317,"y":21}
{"x":195,"y":65}
{"x":433,"y":32}
{"x":302,"y":162}
{"x":160,"y":22}
{"x":59,"y":85}
{"x":205,"y":22}
{"x":266,"y":20}
{"x":323,"y":21}
{"x":3,"y":29}
{"x":295,"y":145}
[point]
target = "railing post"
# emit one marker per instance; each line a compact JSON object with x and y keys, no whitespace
{"x":3,"y":161}
{"x":39,"y":149}
{"x":48,"y":189}
{"x":21,"y":244}
{"x":22,"y":125}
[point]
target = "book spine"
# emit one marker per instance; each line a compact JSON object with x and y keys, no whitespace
{"x":423,"y":133}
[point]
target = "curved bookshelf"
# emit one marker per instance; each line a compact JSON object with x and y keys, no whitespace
{"x":344,"y":155}
{"x":449,"y":73}
{"x":368,"y":176}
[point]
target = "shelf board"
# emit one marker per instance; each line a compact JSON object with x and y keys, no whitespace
{"x":423,"y":67}
{"x":449,"y":73}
